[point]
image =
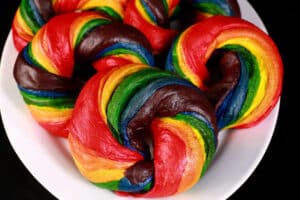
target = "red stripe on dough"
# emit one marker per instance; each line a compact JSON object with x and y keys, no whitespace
{"x":169,"y":161}
{"x":89,"y":128}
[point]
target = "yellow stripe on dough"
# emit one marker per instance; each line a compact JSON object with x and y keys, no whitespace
{"x":22,"y":25}
{"x":49,"y":114}
{"x":142,"y":11}
{"x":195,"y":150}
{"x":95,"y":168}
{"x":113,"y":4}
{"x":78,"y":24}
{"x":258,"y":52}
{"x":114,"y":79}
{"x":186,"y":70}
{"x":39,"y":53}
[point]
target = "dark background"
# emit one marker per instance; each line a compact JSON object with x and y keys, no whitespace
{"x":276,"y":175}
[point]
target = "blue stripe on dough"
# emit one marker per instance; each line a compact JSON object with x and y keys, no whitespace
{"x":44,"y":93}
{"x":139,"y":99}
{"x":126,"y":186}
{"x":37,"y":16}
{"x":148,"y":11}
{"x":234,"y":101}
{"x":140,"y":50}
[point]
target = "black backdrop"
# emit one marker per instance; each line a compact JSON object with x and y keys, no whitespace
{"x":274,"y":176}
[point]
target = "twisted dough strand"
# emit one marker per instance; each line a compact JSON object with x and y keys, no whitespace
{"x":33,"y":14}
{"x":111,"y":122}
{"x":242,"y":98}
{"x":51,"y":70}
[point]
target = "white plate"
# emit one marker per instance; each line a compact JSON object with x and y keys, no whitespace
{"x":48,"y":158}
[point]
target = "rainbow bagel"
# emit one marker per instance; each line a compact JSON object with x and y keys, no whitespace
{"x":152,"y":18}
{"x":117,"y":110}
{"x":49,"y":70}
{"x":156,"y":18}
{"x":209,"y":8}
{"x":33,"y":14}
{"x":244,"y":77}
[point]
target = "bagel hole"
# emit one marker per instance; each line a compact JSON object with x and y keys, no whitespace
{"x":142,"y":140}
{"x":83,"y":71}
{"x":224,"y":70}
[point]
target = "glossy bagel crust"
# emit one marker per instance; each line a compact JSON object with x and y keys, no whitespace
{"x":121,"y":113}
{"x":258,"y":81}
{"x":51,"y":70}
